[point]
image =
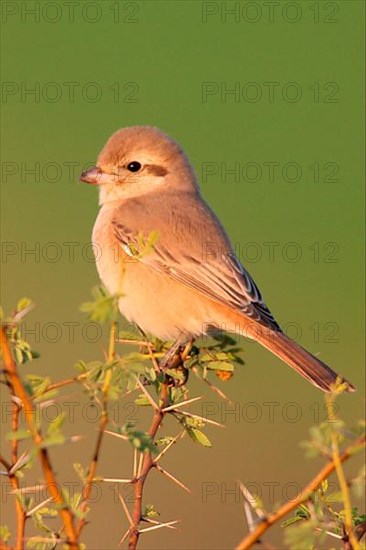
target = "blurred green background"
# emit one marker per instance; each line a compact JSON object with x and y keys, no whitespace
{"x":297,"y":73}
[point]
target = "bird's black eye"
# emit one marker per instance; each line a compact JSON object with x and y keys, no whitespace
{"x":134,"y":166}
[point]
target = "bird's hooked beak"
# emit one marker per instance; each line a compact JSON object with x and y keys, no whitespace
{"x":96,"y":176}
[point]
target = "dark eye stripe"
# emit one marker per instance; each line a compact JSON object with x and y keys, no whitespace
{"x":156,"y":170}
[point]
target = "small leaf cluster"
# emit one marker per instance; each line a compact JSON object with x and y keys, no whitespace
{"x":22,"y":351}
{"x":103,"y":307}
{"x":323,"y":515}
{"x":220,"y":357}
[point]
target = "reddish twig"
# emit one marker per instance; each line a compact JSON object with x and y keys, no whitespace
{"x":65,"y":382}
{"x":148,"y":461}
{"x":13,"y":478}
{"x":20,"y":512}
{"x":249,"y":540}
{"x":92,"y":470}
{"x":147,"y":465}
{"x":19,"y":391}
{"x":102,"y":426}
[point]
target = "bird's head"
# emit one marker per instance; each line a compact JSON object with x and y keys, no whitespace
{"x":140,"y":160}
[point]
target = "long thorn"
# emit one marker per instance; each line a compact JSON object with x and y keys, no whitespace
{"x":167,"y":447}
{"x":167,"y":524}
{"x":152,"y":402}
{"x":125,"y":509}
{"x":125,"y":536}
{"x":32,"y":489}
{"x":22,"y":460}
{"x":115,"y":434}
{"x":134,"y":468}
{"x":115,"y":480}
{"x":213,"y":387}
{"x":173,"y":478}
{"x":252,"y":501}
{"x":31,"y":512}
{"x":44,"y":539}
{"x":204,"y":420}
{"x":249,"y":516}
{"x":153,"y":357}
{"x":154,"y":522}
{"x":176,"y":405}
{"x":132,"y":342}
{"x":139,"y":467}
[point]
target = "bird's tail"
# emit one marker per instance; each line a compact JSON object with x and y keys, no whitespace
{"x":303,"y":362}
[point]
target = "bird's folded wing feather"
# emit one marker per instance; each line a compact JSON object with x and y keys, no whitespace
{"x":220,"y":276}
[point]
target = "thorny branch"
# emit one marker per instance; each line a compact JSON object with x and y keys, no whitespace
{"x":147,"y":464}
{"x":148,"y":460}
{"x":13,"y":478}
{"x":18,"y":390}
{"x":249,"y":540}
{"x":102,"y":426}
{"x":348,"y":521}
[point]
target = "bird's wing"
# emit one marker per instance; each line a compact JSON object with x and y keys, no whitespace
{"x":178,"y":251}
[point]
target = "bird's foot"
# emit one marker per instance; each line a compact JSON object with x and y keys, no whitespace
{"x":173,"y":361}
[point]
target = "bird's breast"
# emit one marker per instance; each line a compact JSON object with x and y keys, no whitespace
{"x":110,"y":256}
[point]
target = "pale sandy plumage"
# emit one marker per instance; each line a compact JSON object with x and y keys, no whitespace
{"x":190,"y":281}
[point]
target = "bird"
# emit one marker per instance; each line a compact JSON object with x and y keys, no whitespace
{"x":164,"y":252}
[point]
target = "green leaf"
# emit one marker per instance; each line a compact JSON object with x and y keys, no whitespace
{"x":191,"y":362}
{"x":290,"y":521}
{"x":131,"y":335}
{"x":221,"y":365}
{"x":224,"y":339}
{"x":23,"y":303}
{"x":176,"y":374}
{"x":38,"y":544}
{"x":18,"y":435}
{"x":81,"y":366}
{"x":150,"y":373}
{"x":222,"y":356}
{"x":204,"y":357}
{"x":18,"y":355}
{"x":199,"y":437}
{"x":301,"y":513}
{"x":324,"y":486}
{"x":357,"y":518}
{"x":56,"y":438}
{"x":4,"y":533}
{"x":142,"y":400}
{"x":46,"y":396}
{"x":333,"y":497}
{"x":164,"y":441}
{"x":38,"y":519}
{"x":103,"y":308}
{"x":144,"y":245}
{"x":81,"y":472}
{"x":301,"y":536}
{"x":37,"y":384}
{"x":150,"y":512}
{"x":56,"y":424}
{"x":140,"y":440}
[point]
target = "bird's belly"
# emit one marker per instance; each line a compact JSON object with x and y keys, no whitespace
{"x":165,"y":308}
{"x":160,"y":305}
